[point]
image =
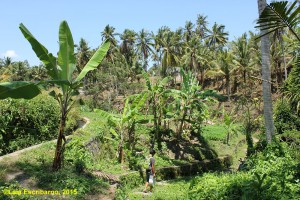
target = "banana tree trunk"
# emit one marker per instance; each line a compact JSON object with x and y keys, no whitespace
{"x":181,"y":124}
{"x":155,"y":122}
{"x":266,"y":76}
{"x":227,"y":138}
{"x":121,"y":149}
{"x":131,"y":134}
{"x":59,"y":146}
{"x":121,"y":154}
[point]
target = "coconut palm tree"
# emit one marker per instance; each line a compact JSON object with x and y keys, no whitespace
{"x":7,"y":61}
{"x":144,"y":45}
{"x":189,"y":59}
{"x":201,"y":28}
{"x":171,"y":50}
{"x":224,"y":68}
{"x":216,"y":37}
{"x":188,"y":31}
{"x":279,"y":15}
{"x":242,"y":55}
{"x":83,"y":56}
{"x":128,"y":39}
{"x":38,"y":73}
{"x":157,"y":38}
{"x":266,"y":74}
{"x":278,"y":36}
{"x":108,"y":34}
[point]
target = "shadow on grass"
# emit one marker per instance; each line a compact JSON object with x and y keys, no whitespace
{"x":196,"y":148}
{"x":64,"y":179}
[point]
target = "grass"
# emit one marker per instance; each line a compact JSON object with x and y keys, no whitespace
{"x":165,"y":190}
{"x":215,"y":132}
{"x":35,"y":166}
{"x":215,"y":136}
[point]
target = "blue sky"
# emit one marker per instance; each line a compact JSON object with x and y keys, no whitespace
{"x":88,"y":18}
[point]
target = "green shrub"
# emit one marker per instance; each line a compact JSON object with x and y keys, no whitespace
{"x":77,"y":154}
{"x":285,"y":117}
{"x":220,"y":186}
{"x":292,"y":138}
{"x":272,"y":174}
{"x":27,"y":122}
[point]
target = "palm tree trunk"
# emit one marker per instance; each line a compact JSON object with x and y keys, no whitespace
{"x":266,"y":76}
{"x":284,"y":61}
{"x":228,"y":87}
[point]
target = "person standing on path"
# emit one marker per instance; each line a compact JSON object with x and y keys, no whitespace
{"x":150,"y":171}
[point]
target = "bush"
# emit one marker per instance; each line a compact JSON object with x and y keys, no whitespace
{"x":220,"y":186}
{"x":285,"y":116}
{"x":292,"y":138}
{"x":77,"y":154}
{"x":271,"y":174}
{"x":27,"y":122}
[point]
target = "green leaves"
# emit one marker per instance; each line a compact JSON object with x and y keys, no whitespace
{"x":63,"y":69}
{"x":94,"y":61}
{"x":279,"y":15}
{"x":42,"y":53}
{"x":66,"y":58}
{"x":19,"y":89}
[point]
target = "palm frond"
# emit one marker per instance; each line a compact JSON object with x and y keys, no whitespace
{"x":279,"y":15}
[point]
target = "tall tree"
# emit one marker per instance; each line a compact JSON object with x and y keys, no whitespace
{"x":7,"y":61}
{"x":201,"y":28}
{"x":83,"y":56}
{"x":189,"y":26}
{"x":144,"y":46}
{"x":128,"y":39}
{"x":61,"y":72}
{"x":266,"y":76}
{"x":279,"y":15}
{"x":242,"y":55}
{"x":217,"y":37}
{"x":171,"y":47}
{"x":108,"y":34}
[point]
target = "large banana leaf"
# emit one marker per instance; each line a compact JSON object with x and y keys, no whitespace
{"x":19,"y":89}
{"x":66,"y":59}
{"x":94,"y":61}
{"x":138,"y":100}
{"x":42,"y":53}
{"x":279,"y":15}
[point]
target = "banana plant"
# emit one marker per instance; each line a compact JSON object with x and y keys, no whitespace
{"x":190,"y":99}
{"x":61,"y":70}
{"x":122,"y":127}
{"x":156,"y":98}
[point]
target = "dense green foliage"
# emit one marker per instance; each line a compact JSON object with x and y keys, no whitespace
{"x":285,"y":117}
{"x":27,"y":122}
{"x":132,"y":110}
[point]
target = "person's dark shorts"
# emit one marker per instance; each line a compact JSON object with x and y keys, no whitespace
{"x":148,"y":173}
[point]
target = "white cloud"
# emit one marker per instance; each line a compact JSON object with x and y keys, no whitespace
{"x":10,"y":53}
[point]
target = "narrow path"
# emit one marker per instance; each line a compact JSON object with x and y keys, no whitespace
{"x":17,"y":153}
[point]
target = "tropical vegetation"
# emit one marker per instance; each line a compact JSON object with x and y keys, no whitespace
{"x":223,"y":115}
